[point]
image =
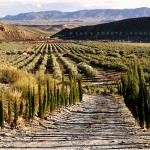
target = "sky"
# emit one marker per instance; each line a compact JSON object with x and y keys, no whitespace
{"x":13,"y":7}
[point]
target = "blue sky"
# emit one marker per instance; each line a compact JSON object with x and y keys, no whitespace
{"x":12,"y":7}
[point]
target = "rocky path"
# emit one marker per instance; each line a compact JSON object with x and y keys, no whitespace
{"x":97,"y":123}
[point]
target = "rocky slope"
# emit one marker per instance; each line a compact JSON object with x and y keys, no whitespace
{"x":10,"y":32}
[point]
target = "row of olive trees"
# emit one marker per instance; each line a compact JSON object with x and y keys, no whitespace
{"x":136,"y":94}
{"x":46,"y":97}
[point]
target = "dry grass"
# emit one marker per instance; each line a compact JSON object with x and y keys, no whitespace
{"x":14,"y":86}
{"x":137,"y":44}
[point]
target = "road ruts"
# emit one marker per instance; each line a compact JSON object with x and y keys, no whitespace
{"x":99,"y":122}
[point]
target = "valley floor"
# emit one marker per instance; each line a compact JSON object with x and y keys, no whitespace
{"x":99,"y":122}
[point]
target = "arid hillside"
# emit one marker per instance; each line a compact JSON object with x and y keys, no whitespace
{"x":135,"y":29}
{"x":11,"y":33}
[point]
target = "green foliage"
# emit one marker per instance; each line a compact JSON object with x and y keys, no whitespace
{"x":40,"y":113}
{"x":30,"y":102}
{"x":33,"y":101}
{"x":80,"y":89}
{"x":87,"y":70}
{"x":1,"y":113}
{"x":21,"y":109}
{"x":135,"y":94}
{"x":15,"y":114}
{"x":10,"y":119}
{"x":8,"y":74}
{"x":48,"y":94}
{"x":44,"y":103}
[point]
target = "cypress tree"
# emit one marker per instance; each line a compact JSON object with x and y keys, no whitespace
{"x":21,"y":109}
{"x":52,"y":106}
{"x":1,"y":113}
{"x":40,"y":113}
{"x":10,"y":118}
{"x":58,"y":98}
{"x":66,"y":95}
{"x":15,"y":113}
{"x":33,"y":103}
{"x":125,"y":90}
{"x":48,"y":94}
{"x":80,"y":89}
{"x":55,"y":96}
{"x":75,"y":92}
{"x":71,"y":96}
{"x":134,"y":90}
{"x":44,"y":103}
{"x":135,"y":94}
{"x":142,"y":96}
{"x":27,"y":111}
{"x":63,"y":91}
{"x":30,"y":102}
{"x":147,"y":110}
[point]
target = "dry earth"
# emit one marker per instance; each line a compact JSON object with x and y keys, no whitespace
{"x":99,"y":122}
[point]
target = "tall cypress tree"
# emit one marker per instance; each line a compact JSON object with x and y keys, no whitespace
{"x":63,"y":91}
{"x":40,"y":113}
{"x":27,"y":110}
{"x":52,"y":105}
{"x":55,"y":96}
{"x":10,"y":117}
{"x":58,"y":98}
{"x":75,"y":92}
{"x":66,"y":95}
{"x":21,"y":109}
{"x":44,"y":103}
{"x":1,"y":113}
{"x":142,"y":96}
{"x":48,"y":94}
{"x":33,"y":103}
{"x":71,"y":96}
{"x":30,"y":102}
{"x":15,"y":114}
{"x":80,"y":89}
{"x":135,"y":94}
{"x":147,"y":109}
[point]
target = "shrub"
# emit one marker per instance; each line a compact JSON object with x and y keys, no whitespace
{"x":87,"y":70}
{"x":9,"y":74}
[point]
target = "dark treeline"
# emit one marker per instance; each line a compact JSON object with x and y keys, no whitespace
{"x":136,"y":94}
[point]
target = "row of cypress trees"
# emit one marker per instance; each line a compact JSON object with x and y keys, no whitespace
{"x":136,"y":93}
{"x":1,"y":112}
{"x":47,"y":97}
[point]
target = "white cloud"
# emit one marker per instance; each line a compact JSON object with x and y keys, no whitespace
{"x":38,"y":5}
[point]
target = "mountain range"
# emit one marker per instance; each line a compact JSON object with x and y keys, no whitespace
{"x":100,"y":14}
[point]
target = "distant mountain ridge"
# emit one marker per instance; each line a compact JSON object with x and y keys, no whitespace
{"x":101,"y":14}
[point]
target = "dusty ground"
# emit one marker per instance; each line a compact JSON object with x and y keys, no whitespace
{"x":100,"y":122}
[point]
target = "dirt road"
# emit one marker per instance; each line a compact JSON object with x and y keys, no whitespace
{"x":100,"y":122}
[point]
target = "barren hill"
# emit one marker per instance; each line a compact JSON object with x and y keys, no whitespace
{"x":11,"y":33}
{"x":135,"y":29}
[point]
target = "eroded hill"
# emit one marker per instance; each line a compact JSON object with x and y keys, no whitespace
{"x":12,"y":33}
